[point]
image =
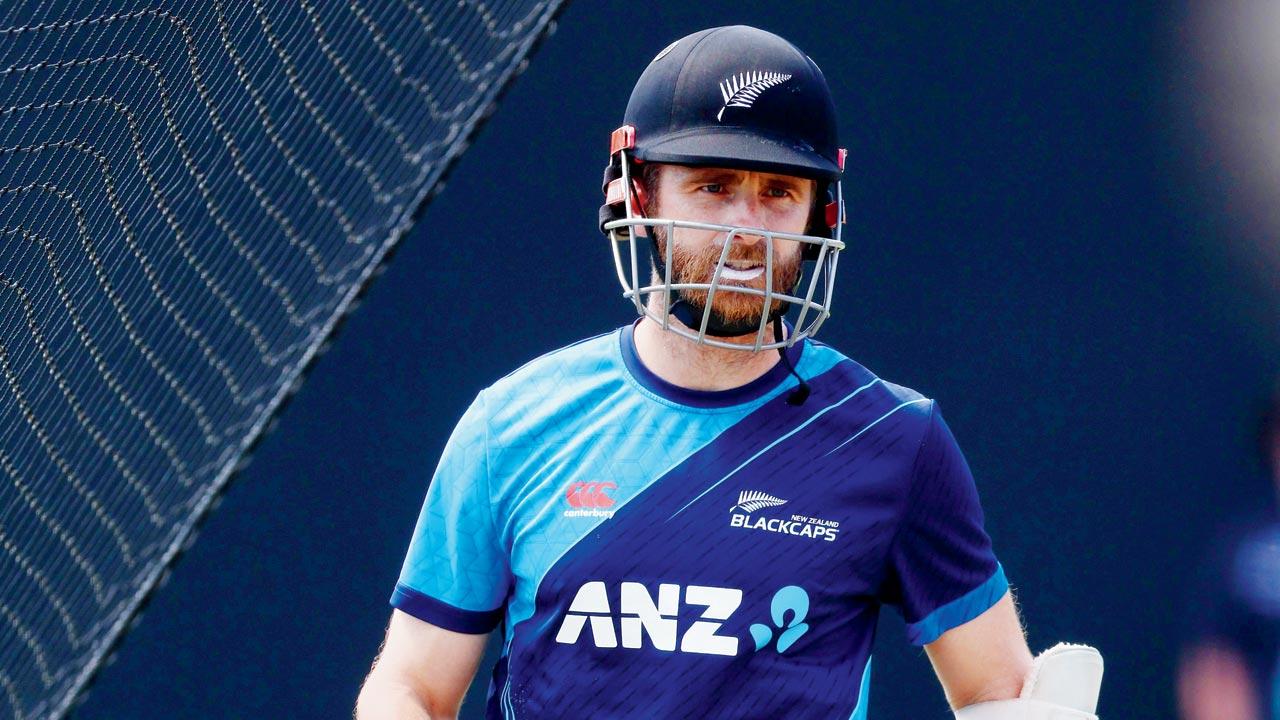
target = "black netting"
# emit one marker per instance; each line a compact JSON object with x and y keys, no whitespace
{"x":191,"y":195}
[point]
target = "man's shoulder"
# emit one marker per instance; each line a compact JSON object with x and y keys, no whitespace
{"x":830,"y":366}
{"x":586,"y":360}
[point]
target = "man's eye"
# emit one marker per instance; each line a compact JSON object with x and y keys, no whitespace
{"x":779,"y":192}
{"x":712,"y":187}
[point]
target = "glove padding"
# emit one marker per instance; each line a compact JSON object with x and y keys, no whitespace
{"x":1063,"y":685}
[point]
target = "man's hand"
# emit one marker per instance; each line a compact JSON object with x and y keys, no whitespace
{"x":422,"y":672}
{"x":1064,"y":684}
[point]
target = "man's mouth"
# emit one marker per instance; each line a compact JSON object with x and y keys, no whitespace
{"x":741,"y":271}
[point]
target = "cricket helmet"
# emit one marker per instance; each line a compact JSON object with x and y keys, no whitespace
{"x":734,"y":97}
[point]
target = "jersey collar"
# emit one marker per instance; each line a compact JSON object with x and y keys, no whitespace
{"x":753,"y":390}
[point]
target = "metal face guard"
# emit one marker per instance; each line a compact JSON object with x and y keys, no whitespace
{"x":814,"y":304}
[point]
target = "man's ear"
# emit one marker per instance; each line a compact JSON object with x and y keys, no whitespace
{"x":641,"y":207}
{"x":642,"y":199}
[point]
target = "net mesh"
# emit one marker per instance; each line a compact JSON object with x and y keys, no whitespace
{"x":191,"y":196}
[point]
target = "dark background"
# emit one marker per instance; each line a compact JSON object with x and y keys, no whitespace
{"x":1026,"y":244}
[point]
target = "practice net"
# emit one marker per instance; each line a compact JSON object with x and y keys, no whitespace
{"x":191,"y":196}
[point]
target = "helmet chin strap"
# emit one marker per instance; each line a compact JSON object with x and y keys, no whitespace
{"x":691,"y":315}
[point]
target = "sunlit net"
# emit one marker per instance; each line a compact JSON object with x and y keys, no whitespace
{"x":191,"y":195}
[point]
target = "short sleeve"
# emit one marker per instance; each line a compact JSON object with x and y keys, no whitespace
{"x":456,"y":574}
{"x":941,"y":570}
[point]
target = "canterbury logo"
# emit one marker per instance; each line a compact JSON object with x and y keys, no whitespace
{"x":742,"y":89}
{"x":590,"y":494}
{"x":750,"y":501}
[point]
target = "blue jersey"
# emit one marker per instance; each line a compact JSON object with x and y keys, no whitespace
{"x":653,"y":551}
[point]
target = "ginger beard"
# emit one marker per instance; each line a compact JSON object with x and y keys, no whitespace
{"x":731,"y":308}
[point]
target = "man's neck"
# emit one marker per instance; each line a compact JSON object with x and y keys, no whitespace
{"x":694,"y":366}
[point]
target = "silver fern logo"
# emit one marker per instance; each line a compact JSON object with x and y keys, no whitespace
{"x":742,"y":90}
{"x":750,"y":501}
{"x":805,"y":526}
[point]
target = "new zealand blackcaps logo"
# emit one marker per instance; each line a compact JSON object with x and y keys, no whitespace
{"x":741,"y":90}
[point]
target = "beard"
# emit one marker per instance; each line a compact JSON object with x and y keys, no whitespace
{"x":733,"y":313}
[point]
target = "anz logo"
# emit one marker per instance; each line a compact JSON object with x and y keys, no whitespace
{"x":640,"y":615}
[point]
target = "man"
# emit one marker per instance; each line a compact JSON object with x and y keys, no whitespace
{"x":701,"y":514}
{"x":1231,"y":668}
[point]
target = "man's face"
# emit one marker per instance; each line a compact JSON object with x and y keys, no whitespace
{"x":739,"y":198}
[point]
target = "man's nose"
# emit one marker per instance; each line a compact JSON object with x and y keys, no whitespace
{"x":748,"y":212}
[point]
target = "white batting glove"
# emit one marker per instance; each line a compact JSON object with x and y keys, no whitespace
{"x":1063,"y":685}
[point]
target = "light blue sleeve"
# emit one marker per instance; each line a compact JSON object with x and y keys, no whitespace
{"x":456,"y":574}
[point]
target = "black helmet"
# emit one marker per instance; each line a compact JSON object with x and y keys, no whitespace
{"x":738,"y":97}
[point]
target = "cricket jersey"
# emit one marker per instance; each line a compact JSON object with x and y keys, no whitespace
{"x":653,"y":551}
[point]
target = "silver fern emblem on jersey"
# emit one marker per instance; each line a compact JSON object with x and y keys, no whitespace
{"x":750,"y":501}
{"x":742,"y":89}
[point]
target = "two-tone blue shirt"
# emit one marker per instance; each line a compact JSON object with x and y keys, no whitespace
{"x":653,"y":551}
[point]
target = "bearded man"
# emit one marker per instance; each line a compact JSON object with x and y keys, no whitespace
{"x":701,"y":514}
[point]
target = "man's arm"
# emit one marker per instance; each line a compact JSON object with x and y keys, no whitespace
{"x":422,"y":672}
{"x":988,"y":672}
{"x":984,"y":659}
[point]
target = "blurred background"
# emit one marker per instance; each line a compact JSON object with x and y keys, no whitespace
{"x":1058,"y":227}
